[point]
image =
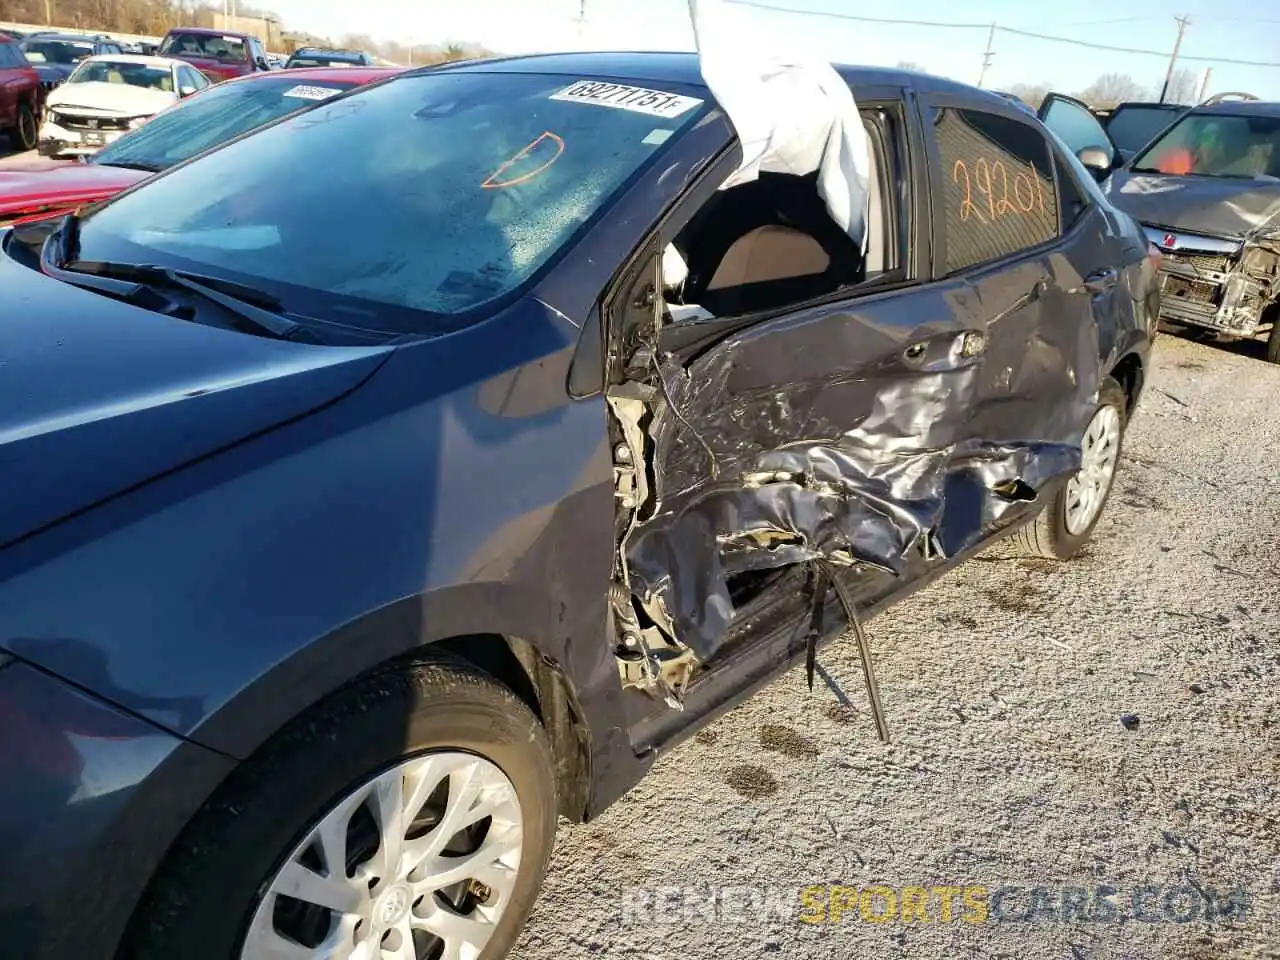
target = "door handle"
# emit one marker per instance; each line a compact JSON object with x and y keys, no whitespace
{"x":946,"y":352}
{"x":1102,"y":281}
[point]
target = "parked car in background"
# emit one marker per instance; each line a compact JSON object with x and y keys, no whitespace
{"x":106,"y":97}
{"x":218,"y":114}
{"x":1207,"y":191}
{"x":460,"y":444}
{"x":321,"y":57}
{"x":1132,"y":124}
{"x":21,"y":97}
{"x":220,"y":55}
{"x":276,"y":61}
{"x":56,"y":55}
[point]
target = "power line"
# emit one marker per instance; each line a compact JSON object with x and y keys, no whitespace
{"x":1014,"y":31}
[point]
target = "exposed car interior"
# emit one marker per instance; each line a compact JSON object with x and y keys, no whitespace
{"x":770,"y":243}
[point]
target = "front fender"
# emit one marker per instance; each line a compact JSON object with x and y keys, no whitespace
{"x":459,"y":491}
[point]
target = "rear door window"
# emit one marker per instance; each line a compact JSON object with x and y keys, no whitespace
{"x":997,"y":194}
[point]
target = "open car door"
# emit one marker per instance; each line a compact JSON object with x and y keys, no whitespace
{"x":1081,"y":131}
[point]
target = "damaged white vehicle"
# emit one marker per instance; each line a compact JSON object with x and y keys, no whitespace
{"x":107,"y":96}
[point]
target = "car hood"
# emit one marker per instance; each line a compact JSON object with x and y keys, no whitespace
{"x":1210,"y":205}
{"x":110,"y":99}
{"x":97,"y":396}
{"x":61,"y":185}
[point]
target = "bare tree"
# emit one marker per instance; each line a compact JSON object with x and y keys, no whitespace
{"x":1032,"y":94}
{"x":1112,"y":88}
{"x":1182,"y":86}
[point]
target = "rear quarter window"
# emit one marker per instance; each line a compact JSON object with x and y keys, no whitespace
{"x":998,"y":195}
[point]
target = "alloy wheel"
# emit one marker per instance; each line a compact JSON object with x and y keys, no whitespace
{"x":1087,"y":490}
{"x":417,"y":863}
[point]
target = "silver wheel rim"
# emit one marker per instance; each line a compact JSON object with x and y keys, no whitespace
{"x":418,"y":863}
{"x":1087,"y":490}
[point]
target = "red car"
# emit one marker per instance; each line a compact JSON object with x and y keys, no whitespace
{"x":201,"y":122}
{"x":20,"y":96}
{"x":215,"y":53}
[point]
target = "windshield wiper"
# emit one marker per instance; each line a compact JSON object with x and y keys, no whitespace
{"x":131,"y":165}
{"x":261,"y":310}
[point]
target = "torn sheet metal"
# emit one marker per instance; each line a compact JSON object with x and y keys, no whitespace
{"x":1221,"y":241}
{"x":865,"y":466}
{"x":791,"y":115}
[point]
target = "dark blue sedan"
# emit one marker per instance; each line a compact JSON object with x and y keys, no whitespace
{"x":387,"y":482}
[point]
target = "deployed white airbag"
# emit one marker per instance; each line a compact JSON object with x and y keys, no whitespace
{"x":791,"y":115}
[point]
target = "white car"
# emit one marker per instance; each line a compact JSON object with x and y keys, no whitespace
{"x":107,"y":96}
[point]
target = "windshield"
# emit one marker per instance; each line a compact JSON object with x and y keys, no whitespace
{"x":1216,"y":145}
{"x":210,"y":46}
{"x":397,"y":206}
{"x":124,"y":72}
{"x":57,"y":51}
{"x":1131,"y":128}
{"x":217,"y":115}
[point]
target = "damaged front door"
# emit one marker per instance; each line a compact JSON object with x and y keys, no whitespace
{"x":840,"y":433}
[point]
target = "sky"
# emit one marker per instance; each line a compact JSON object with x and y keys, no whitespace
{"x":1241,"y":30}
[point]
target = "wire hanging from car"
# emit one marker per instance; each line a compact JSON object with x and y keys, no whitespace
{"x":824,"y":575}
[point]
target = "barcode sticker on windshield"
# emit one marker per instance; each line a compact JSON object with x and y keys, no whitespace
{"x":306,"y":92}
{"x":655,"y":103}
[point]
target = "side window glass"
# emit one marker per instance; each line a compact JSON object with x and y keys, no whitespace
{"x":1078,"y":128}
{"x":7,"y":59}
{"x":997,"y":189}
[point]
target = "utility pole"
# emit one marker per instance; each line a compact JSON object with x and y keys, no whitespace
{"x":986,"y":57}
{"x":1183,"y":23}
{"x":581,"y":21}
{"x":1204,"y":84}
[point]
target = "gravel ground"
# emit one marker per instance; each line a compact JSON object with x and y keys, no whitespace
{"x":1005,"y":684}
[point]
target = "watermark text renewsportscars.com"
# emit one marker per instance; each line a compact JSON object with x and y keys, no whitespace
{"x":935,"y":903}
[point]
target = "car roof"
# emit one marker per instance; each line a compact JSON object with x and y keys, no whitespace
{"x":357,"y":75}
{"x":683,"y":67}
{"x":1150,"y":103}
{"x":207,"y":32}
{"x":78,"y":37}
{"x":1243,"y":108}
{"x":338,"y":50}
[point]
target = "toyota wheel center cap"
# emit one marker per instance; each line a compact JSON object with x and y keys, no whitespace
{"x":392,"y":906}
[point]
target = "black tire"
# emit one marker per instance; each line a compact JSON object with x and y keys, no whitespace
{"x":1273,"y":339}
{"x":26,"y":132}
{"x":1047,"y":535}
{"x":201,"y":901}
